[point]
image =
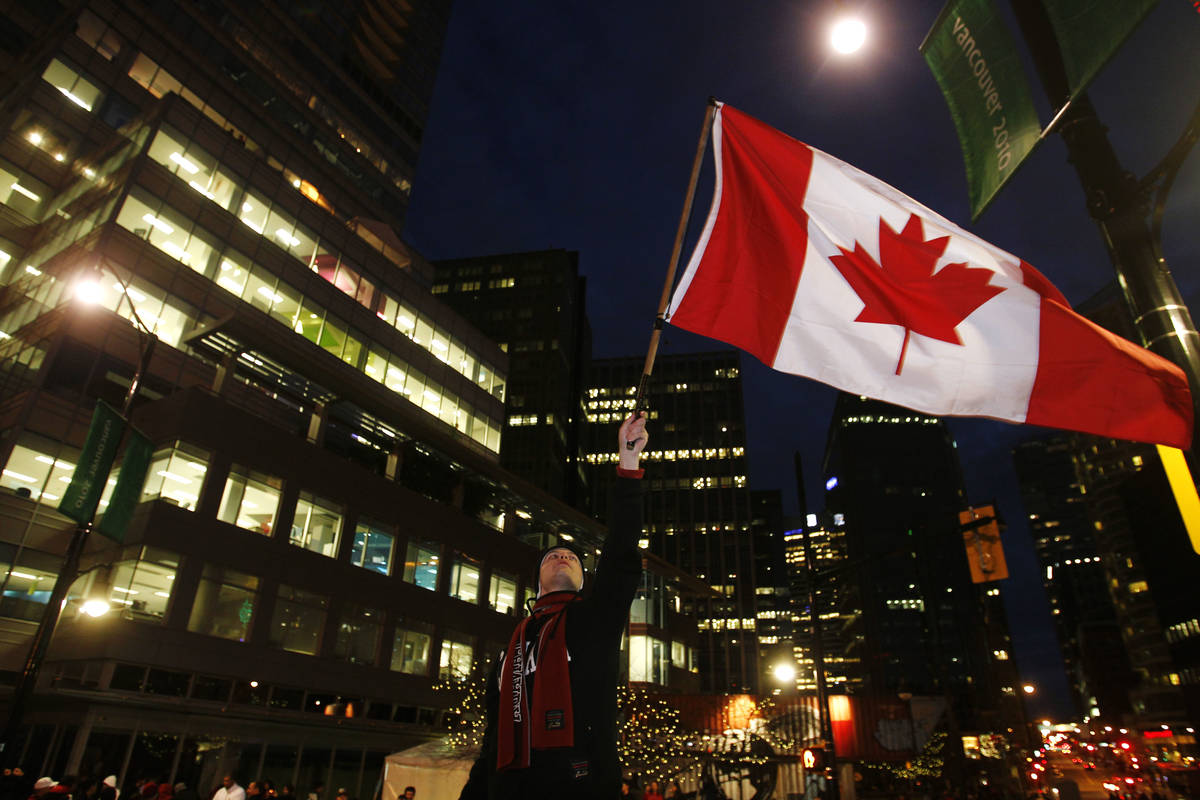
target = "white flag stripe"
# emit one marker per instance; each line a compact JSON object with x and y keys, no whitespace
{"x":823,"y":341}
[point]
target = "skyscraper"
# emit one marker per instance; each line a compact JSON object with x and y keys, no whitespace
{"x":533,"y":304}
{"x":698,"y":510}
{"x":1056,"y":501}
{"x":895,"y":476}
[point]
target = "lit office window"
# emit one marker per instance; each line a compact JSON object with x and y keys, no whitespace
{"x":502,"y":592}
{"x":251,"y":500}
{"x":175,"y":474}
{"x":40,"y":467}
{"x":358,"y":634}
{"x":456,"y":658}
{"x":298,"y":620}
{"x":464,"y":579}
{"x":141,"y":587}
{"x":373,"y":544}
{"x":224,"y":603}
{"x":317,"y":525}
{"x":26,"y":591}
{"x":648,"y":660}
{"x":74,"y":86}
{"x":410,"y":651}
{"x":421,"y":564}
{"x":679,"y":654}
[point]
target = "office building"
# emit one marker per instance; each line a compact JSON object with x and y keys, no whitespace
{"x":326,"y":530}
{"x":533,"y":305}
{"x":698,"y":509}
{"x":895,"y":476}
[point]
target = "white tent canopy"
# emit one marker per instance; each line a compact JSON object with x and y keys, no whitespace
{"x":438,"y":772}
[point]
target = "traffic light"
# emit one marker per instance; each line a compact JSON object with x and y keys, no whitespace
{"x":813,"y":758}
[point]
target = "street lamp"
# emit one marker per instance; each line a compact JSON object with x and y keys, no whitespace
{"x":785,"y":673}
{"x":847,"y":35}
{"x":87,"y":289}
{"x":1028,"y":688}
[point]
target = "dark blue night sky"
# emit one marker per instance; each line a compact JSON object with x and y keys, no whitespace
{"x":574,"y":125}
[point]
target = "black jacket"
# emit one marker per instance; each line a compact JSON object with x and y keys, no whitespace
{"x":595,"y":624}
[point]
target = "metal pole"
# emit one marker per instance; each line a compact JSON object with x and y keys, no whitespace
{"x":23,"y":692}
{"x":1119,"y":205}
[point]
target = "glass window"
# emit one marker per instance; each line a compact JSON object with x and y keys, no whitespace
{"x":298,"y":619}
{"x":397,"y":373}
{"x":234,"y":271}
{"x":678,"y":655}
{"x":308,"y":323}
{"x":410,"y":651}
{"x":358,"y":635}
{"x":376,"y":365}
{"x":39,"y":468}
{"x":333,"y":335}
{"x":317,"y":525}
{"x":260,"y":289}
{"x":421,"y":564}
{"x":286,"y":308}
{"x":141,"y":588}
{"x":251,"y":500}
{"x":502,"y":592}
{"x":373,"y":543}
{"x":456,"y":658}
{"x":464,"y":579}
{"x":648,"y":661}
{"x":254,"y":212}
{"x":175,"y":474}
{"x":26,"y":592}
{"x":224,"y":604}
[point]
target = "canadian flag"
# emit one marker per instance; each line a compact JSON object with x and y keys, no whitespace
{"x":821,"y":270}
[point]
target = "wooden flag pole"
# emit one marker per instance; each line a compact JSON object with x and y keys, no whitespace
{"x":659,"y":319}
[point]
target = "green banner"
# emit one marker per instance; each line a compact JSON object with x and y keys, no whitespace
{"x":1089,"y":32}
{"x":130,"y":480}
{"x":91,"y":473}
{"x":974,"y":60}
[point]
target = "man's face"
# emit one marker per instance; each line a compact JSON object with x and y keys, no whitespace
{"x":227,"y":781}
{"x":410,"y":794}
{"x":560,"y":571}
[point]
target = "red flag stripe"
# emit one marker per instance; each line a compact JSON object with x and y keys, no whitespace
{"x":1094,"y":381}
{"x":746,"y":301}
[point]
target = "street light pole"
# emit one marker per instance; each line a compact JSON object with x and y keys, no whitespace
{"x":23,"y":691}
{"x":1118,"y":203}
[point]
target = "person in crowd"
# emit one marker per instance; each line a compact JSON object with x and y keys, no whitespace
{"x":409,"y":792}
{"x":42,"y":787}
{"x":551,"y":696}
{"x":675,"y":791}
{"x":317,"y":792}
{"x":108,"y":788}
{"x":230,"y":790}
{"x":287,"y":792}
{"x":653,"y":792}
{"x":182,"y":791}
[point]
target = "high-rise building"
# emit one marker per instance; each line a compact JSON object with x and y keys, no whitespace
{"x":773,"y":618}
{"x":326,"y":530}
{"x":698,"y":510}
{"x":533,"y":304}
{"x":820,"y":596}
{"x":1056,"y":502}
{"x":895,"y":476}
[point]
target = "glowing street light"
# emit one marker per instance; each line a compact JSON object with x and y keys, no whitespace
{"x":848,"y":35}
{"x":1028,"y":688}
{"x":88,"y":290}
{"x":784,"y":673}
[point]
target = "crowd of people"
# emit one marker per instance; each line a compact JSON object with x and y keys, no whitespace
{"x":16,"y":785}
{"x":656,"y":791}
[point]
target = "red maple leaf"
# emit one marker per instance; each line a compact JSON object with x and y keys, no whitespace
{"x":904,"y":290}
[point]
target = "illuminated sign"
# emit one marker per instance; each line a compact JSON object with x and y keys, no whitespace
{"x":813,"y":758}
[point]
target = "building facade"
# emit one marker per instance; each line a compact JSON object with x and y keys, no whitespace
{"x":326,"y":532}
{"x":698,"y":509}
{"x":534,"y":306}
{"x":894,"y":475}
